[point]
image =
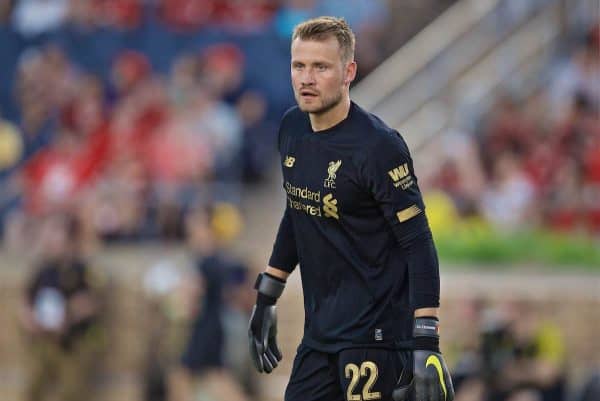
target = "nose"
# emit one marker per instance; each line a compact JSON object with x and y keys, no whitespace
{"x":307,"y":77}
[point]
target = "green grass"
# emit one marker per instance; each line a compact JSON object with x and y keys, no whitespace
{"x":553,"y":250}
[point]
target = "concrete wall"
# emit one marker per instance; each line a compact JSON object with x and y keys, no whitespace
{"x":570,"y":300}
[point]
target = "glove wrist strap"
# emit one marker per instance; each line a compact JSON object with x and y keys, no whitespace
{"x":426,"y":334}
{"x":269,"y":288}
{"x":426,"y":327}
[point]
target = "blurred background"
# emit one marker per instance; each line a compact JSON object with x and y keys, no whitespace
{"x":140,"y":190}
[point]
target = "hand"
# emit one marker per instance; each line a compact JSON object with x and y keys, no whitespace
{"x":262,"y":338}
{"x":430,"y":379}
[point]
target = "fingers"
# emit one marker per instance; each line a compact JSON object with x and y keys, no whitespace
{"x":254,"y":354}
{"x":449,"y":387}
{"x":265,"y":361}
{"x":264,"y":350}
{"x":275,"y":348}
{"x":269,"y":362}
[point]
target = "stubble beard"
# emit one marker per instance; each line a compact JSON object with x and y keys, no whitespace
{"x":327,"y":104}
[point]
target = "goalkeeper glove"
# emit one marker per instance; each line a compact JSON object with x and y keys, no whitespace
{"x":262,"y":330}
{"x":430,"y":380}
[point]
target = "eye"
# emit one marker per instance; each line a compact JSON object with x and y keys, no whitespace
{"x":321,"y":67}
{"x":297,"y":66}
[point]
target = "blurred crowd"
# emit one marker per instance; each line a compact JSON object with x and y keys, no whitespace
{"x":133,"y":120}
{"x":534,"y":158}
{"x":126,"y":112}
{"x":509,"y":351}
{"x":191,"y":320}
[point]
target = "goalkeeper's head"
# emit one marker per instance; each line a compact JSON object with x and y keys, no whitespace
{"x":322,"y":65}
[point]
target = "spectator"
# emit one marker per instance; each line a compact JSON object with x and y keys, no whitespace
{"x":11,"y":146}
{"x":187,"y":15}
{"x":83,"y":15}
{"x":61,"y":316}
{"x":591,"y":186}
{"x":129,"y":69}
{"x":35,"y":17}
{"x":563,"y":206}
{"x":508,"y":202}
{"x":11,"y":154}
{"x":36,"y":121}
{"x":520,"y":357}
{"x":221,"y":69}
{"x":238,"y":307}
{"x":121,"y":14}
{"x":591,"y":388}
{"x":6,"y":10}
{"x":205,"y":353}
{"x":245,"y":16}
{"x":538,"y":357}
{"x":580,"y":74}
{"x":56,"y":176}
{"x":258,"y":136}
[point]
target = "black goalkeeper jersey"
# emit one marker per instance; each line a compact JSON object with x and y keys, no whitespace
{"x":353,"y":203}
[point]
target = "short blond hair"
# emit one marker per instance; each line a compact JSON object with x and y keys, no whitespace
{"x":321,"y":28}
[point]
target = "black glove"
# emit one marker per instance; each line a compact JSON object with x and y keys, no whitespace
{"x":430,"y":380}
{"x":263,"y":324}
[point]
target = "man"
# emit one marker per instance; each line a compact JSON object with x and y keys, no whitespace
{"x":355,"y":222}
{"x":204,"y":366}
{"x":61,"y":316}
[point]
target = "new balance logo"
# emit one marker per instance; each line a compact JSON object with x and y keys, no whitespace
{"x":289,"y":161}
{"x":330,"y":206}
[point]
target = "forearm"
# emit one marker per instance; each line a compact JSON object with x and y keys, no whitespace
{"x":427,"y":312}
{"x":284,"y":254}
{"x":280,"y":274}
{"x":423,"y":275}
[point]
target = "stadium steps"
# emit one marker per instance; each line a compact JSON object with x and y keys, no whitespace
{"x":474,"y":45}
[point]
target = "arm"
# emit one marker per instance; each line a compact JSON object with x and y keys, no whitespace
{"x":269,"y":286}
{"x":392,"y":182}
{"x":82,"y":306}
{"x":275,"y":272}
{"x":284,"y":255}
{"x":387,"y":173}
{"x":425,"y":312}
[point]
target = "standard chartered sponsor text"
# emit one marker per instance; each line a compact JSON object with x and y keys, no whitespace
{"x":303,"y":193}
{"x":309,"y":209}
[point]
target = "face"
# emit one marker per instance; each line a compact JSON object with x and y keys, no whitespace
{"x":320,"y":77}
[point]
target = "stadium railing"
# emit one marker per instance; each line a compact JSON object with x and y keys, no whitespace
{"x":463,"y":55}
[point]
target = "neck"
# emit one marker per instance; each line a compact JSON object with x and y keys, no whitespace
{"x":321,"y":122}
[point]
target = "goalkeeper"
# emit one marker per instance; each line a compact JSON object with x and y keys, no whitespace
{"x":355,"y":223}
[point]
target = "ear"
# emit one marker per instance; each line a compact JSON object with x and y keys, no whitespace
{"x":350,"y":72}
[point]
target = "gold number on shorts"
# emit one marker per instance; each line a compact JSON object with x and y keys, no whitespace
{"x":354,"y":373}
{"x":366,"y":393}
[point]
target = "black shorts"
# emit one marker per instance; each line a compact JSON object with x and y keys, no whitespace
{"x":354,"y":374}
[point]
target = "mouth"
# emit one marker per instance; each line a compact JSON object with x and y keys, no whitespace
{"x":307,"y":94}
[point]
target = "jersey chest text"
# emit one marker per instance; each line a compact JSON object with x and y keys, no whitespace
{"x":319,"y":180}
